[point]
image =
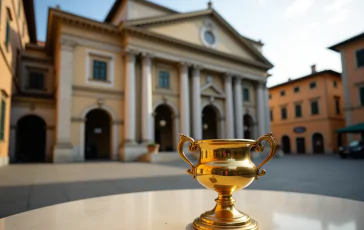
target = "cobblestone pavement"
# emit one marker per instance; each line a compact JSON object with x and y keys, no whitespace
{"x":28,"y":186}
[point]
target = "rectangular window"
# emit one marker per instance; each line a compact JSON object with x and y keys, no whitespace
{"x":7,"y":34}
{"x":271,"y":115}
{"x":164,"y":79}
{"x":334,"y":84}
{"x":314,"y":108}
{"x":100,"y":70}
{"x":298,"y":110}
{"x":36,"y":80}
{"x":284,"y":113}
{"x":361,"y":95}
{"x":360,"y":58}
{"x":283,"y":92}
{"x":296,"y":89}
{"x":2,"y":117}
{"x":337,"y":105}
{"x":312,"y":85}
{"x":246,"y":94}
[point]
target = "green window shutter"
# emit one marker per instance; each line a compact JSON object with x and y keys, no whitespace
{"x":361,"y":95}
{"x":246,"y":94}
{"x":314,"y":108}
{"x":284,"y":113}
{"x":298,"y":110}
{"x":360,"y":58}
{"x":7,"y":33}
{"x":2,"y":120}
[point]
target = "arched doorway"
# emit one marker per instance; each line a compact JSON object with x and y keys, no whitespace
{"x":318,"y":143}
{"x":31,"y":139}
{"x":286,"y":144}
{"x":163,"y":128}
{"x":209,"y":122}
{"x":248,"y":126}
{"x":97,"y":135}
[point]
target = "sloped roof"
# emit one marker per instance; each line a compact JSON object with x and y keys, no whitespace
{"x":176,"y":17}
{"x":308,"y":76}
{"x":30,"y":16}
{"x":118,"y":3}
{"x":352,"y":39}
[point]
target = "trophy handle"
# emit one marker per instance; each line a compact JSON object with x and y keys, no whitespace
{"x":259,"y":148}
{"x":192,"y":147}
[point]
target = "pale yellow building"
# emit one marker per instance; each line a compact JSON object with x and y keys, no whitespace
{"x":145,"y":74}
{"x":17,"y":28}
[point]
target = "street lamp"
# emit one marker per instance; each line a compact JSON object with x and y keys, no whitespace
{"x":162,"y":123}
{"x":205,"y":126}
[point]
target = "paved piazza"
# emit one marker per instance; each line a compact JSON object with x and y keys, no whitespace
{"x":28,"y":186}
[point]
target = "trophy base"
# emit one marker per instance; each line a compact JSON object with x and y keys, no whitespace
{"x":225,"y":216}
{"x":201,"y":224}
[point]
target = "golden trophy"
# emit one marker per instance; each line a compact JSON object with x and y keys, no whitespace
{"x":225,"y":166}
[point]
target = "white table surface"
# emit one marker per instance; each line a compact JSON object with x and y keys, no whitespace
{"x":176,"y":209}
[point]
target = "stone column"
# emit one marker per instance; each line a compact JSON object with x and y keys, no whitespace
{"x":261,"y":108}
{"x":184,"y":99}
{"x":239,"y":129}
{"x":267,"y":110}
{"x":147,"y":107}
{"x":346,"y":96}
{"x":129,"y":98}
{"x":229,"y":118}
{"x":63,"y":151}
{"x":196,"y":103}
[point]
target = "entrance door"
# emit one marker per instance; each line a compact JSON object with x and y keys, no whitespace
{"x":248,"y":126}
{"x":97,"y":135}
{"x":209,"y":123}
{"x":318,"y":143}
{"x":300,"y":144}
{"x":286,"y":145}
{"x":163,"y":128}
{"x":31,"y":139}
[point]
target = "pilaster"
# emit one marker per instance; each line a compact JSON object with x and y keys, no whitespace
{"x":147,"y":107}
{"x":229,"y":117}
{"x":239,"y":129}
{"x":129,"y":97}
{"x":184,"y":99}
{"x":63,"y":151}
{"x":196,"y":103}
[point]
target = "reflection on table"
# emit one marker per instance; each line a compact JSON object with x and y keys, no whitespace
{"x":176,"y":209}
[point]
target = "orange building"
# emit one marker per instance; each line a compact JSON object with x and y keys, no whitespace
{"x":305,"y":113}
{"x":352,"y":59}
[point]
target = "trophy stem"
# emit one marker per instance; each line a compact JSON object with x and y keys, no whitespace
{"x":225,"y":216}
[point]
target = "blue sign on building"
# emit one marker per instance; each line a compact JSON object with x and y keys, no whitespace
{"x":299,"y":129}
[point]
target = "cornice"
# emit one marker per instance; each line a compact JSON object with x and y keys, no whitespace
{"x":197,"y":65}
{"x":88,"y":89}
{"x":83,"y":22}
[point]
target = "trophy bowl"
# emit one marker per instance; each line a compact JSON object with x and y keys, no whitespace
{"x":225,"y":166}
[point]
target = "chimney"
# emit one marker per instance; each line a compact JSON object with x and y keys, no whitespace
{"x":209,"y":5}
{"x":313,"y":69}
{"x":58,"y":7}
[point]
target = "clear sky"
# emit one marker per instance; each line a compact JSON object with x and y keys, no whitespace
{"x":296,"y":33}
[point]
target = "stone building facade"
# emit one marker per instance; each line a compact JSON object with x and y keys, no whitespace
{"x":145,"y":74}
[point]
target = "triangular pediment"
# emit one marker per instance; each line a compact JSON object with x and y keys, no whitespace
{"x":204,"y":28}
{"x":210,"y":89}
{"x":124,"y":10}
